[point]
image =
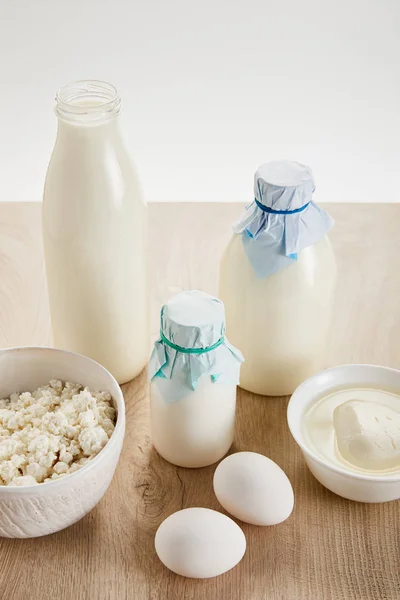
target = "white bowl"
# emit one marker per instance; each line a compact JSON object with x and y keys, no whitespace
{"x":354,"y":486}
{"x":37,"y":510}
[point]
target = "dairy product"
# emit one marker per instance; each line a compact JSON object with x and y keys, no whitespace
{"x":280,"y":323}
{"x":368,"y":434}
{"x":197,"y":430}
{"x":277,"y":281}
{"x":95,"y":235}
{"x":358,"y":429}
{"x":194,"y":371}
{"x":52,"y":432}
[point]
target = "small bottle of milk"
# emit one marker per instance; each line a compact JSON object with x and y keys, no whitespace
{"x":95,"y":234}
{"x":277,"y":281}
{"x":194,"y":372}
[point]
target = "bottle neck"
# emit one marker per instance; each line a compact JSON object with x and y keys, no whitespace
{"x":83,"y":133}
{"x":87,"y":104}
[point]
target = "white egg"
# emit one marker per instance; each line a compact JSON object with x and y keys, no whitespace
{"x":253,"y":488}
{"x":199,"y":542}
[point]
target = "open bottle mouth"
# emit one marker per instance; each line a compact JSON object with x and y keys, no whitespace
{"x":87,"y":102}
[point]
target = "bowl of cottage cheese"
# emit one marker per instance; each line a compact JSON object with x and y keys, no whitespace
{"x":62,"y":423}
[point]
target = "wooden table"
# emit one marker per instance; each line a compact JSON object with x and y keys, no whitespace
{"x":329,"y":548}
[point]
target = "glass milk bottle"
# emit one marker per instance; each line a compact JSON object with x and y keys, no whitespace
{"x":95,"y":229}
{"x":194,"y":372}
{"x":277,"y":281}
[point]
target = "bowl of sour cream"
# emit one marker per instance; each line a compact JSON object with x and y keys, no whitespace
{"x":346,"y":421}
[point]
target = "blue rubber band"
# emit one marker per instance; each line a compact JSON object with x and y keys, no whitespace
{"x":267,"y":209}
{"x":191,"y":350}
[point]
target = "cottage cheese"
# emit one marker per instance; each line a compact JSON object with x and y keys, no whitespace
{"x":52,"y":432}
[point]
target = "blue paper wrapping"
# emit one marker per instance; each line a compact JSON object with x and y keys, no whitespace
{"x":193,"y":320}
{"x":272,"y":241}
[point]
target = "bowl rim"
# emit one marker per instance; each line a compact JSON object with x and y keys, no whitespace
{"x":309,"y":452}
{"x":118,"y":429}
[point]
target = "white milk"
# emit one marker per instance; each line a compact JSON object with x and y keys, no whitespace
{"x":196,"y":430}
{"x":194,"y":371}
{"x":280,"y":323}
{"x":95,"y":235}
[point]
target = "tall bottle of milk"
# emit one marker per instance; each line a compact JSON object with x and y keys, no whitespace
{"x":95,"y":234}
{"x":277,"y":281}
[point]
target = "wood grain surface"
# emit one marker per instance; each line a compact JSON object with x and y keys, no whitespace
{"x":329,"y":548}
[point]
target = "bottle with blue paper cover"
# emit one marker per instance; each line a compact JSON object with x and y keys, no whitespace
{"x":194,"y":373}
{"x":277,"y":281}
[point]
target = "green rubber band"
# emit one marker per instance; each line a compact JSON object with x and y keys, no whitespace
{"x":191,"y":350}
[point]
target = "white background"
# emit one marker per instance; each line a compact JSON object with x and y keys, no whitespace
{"x":211,"y":89}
